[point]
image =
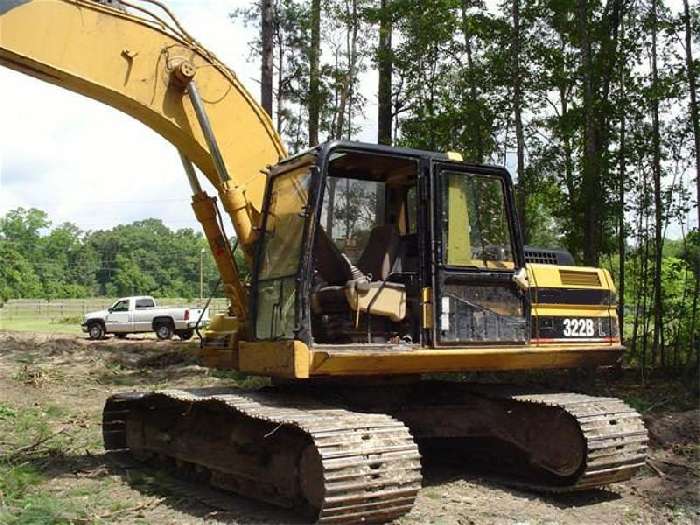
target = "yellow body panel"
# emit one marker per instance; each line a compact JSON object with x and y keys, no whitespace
{"x":278,"y":359}
{"x":459,"y":251}
{"x":550,"y":276}
{"x":573,"y":310}
{"x":293,"y":359}
{"x":462,"y":359}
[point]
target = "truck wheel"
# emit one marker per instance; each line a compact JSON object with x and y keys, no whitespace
{"x":96,"y":331}
{"x":185,"y":335}
{"x":164,"y":330}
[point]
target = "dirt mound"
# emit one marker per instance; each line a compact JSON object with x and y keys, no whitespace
{"x":51,"y":345}
{"x":166,"y":359}
{"x":673,"y":429}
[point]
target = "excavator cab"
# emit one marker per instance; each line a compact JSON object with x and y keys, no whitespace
{"x":365,"y":244}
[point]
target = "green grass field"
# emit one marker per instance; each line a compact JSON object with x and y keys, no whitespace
{"x":40,"y":325}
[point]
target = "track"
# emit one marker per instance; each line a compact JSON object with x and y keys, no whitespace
{"x":361,"y":465}
{"x":543,"y":440}
{"x":614,"y":435}
{"x":335,"y":465}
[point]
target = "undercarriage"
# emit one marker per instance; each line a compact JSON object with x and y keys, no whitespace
{"x":353,"y":454}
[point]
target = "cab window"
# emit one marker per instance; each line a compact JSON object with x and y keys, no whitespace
{"x":121,"y":306}
{"x":144,"y":303}
{"x":474,"y":224}
{"x":280,"y":254}
{"x":352,"y":208}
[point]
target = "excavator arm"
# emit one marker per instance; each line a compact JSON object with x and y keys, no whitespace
{"x":143,"y":63}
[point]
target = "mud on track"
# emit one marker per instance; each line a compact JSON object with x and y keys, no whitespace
{"x":55,"y":386}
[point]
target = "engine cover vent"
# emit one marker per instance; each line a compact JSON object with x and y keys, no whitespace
{"x":577,"y":278}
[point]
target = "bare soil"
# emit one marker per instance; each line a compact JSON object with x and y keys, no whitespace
{"x":70,"y":377}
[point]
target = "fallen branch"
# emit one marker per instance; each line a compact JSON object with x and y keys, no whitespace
{"x":136,"y":508}
{"x":656,"y":469}
{"x":33,"y":446}
{"x":680,"y":465}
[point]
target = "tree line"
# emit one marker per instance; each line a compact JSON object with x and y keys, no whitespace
{"x":594,"y":103}
{"x":39,"y":260}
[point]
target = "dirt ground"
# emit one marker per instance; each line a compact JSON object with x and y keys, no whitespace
{"x":53,"y":468}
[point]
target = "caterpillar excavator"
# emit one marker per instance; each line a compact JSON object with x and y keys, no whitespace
{"x":377,"y":274}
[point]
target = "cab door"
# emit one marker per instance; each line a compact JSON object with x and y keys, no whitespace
{"x":119,"y":317}
{"x":477,"y":254}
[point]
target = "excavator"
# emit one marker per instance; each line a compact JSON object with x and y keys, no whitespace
{"x":382,"y":277}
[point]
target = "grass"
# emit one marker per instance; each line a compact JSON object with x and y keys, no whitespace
{"x":29,"y":435}
{"x":40,"y":325}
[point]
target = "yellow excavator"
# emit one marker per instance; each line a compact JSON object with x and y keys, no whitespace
{"x":374,"y":271}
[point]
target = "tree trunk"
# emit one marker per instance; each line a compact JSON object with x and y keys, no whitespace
{"x":314,"y":73}
{"x":281,"y":89}
{"x":645,"y":288}
{"x":517,"y":110}
{"x":692,"y":86}
{"x":622,"y":166}
{"x":349,"y":76}
{"x":567,"y":147}
{"x":590,"y":183}
{"x":658,"y":202}
{"x":267,"y":53}
{"x":473,"y":89}
{"x":385,"y":68}
{"x":693,"y":364}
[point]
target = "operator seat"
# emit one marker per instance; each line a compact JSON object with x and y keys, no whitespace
{"x":381,"y":253}
{"x":367,"y":290}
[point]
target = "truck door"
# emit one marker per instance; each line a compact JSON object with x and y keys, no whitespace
{"x":142,"y":316}
{"x":119,"y":317}
{"x":476,"y":256}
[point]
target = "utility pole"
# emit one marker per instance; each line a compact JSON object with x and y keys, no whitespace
{"x":201,"y":274}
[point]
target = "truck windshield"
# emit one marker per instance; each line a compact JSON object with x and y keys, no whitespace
{"x":474,"y":227}
{"x":280,"y":254}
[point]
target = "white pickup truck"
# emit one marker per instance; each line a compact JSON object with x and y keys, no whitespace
{"x":133,"y":315}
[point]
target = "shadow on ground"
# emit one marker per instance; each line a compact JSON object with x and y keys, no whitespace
{"x":185,"y":493}
{"x":437,"y":473}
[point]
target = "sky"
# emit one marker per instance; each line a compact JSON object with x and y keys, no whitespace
{"x":86,"y":163}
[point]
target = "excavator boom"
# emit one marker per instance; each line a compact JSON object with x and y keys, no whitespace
{"x":127,"y":61}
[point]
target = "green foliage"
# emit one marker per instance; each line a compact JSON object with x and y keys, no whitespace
{"x":681,"y":314}
{"x":145,"y":257}
{"x":17,"y":276}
